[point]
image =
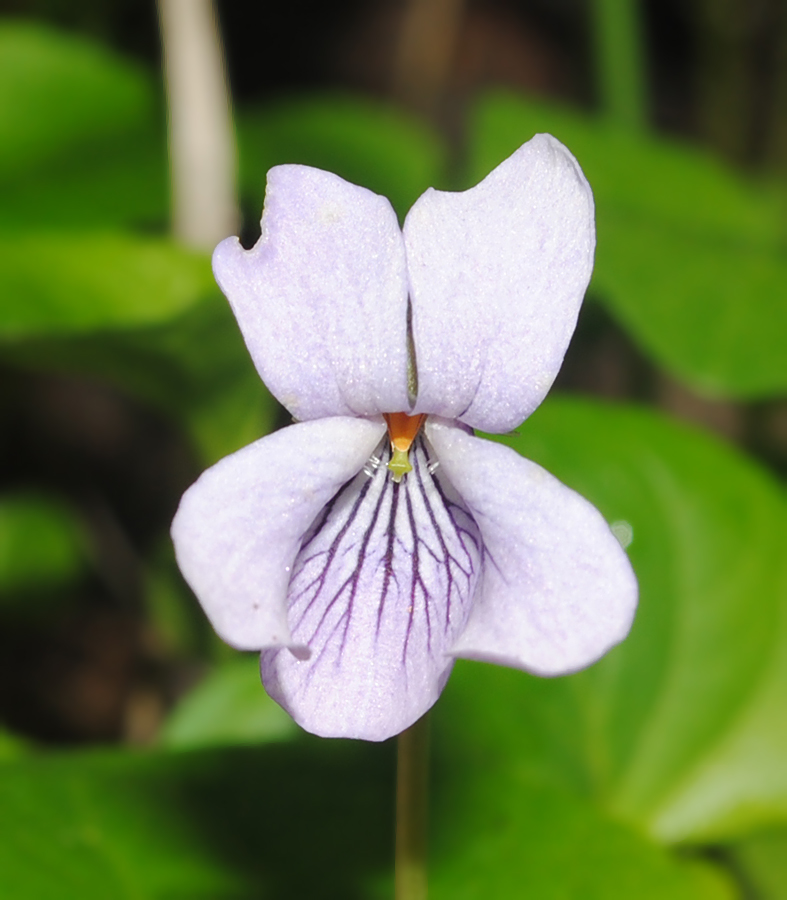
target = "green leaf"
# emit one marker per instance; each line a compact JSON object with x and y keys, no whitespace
{"x":365,"y":142}
{"x":228,"y":707}
{"x":690,"y":257}
{"x":310,"y":819}
{"x":709,"y":310}
{"x":66,"y":283}
{"x":42,"y":544}
{"x":505,"y":835}
{"x":82,"y":136}
{"x":125,"y":184}
{"x":60,"y":94}
{"x":677,"y":728}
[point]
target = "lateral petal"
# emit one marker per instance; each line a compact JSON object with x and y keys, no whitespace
{"x":497,"y":276}
{"x":557,"y":589}
{"x":380,"y":591}
{"x":239,"y":527}
{"x":321,"y":298}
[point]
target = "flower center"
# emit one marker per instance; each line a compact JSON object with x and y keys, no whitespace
{"x":402,"y":430}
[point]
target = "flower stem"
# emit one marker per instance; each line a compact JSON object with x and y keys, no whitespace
{"x":412,"y":776}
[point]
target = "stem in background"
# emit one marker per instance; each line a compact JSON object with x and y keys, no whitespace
{"x":425,"y":52}
{"x":201,"y":140}
{"x":620,"y":61}
{"x":776,"y":143}
{"x":412,"y":777}
{"x":725,"y":86}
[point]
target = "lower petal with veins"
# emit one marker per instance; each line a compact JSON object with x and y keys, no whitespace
{"x":381,"y":589}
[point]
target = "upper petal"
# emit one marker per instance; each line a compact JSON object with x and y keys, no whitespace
{"x":321,"y":298}
{"x":497,"y":276}
{"x":557,"y":588}
{"x":239,"y":527}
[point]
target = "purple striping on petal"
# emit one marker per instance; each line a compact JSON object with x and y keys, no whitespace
{"x":381,"y":588}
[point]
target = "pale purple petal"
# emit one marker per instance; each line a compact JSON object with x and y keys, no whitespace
{"x":557,"y":590}
{"x":239,"y":527}
{"x":321,"y":298}
{"x":497,"y":276}
{"x":381,"y":590}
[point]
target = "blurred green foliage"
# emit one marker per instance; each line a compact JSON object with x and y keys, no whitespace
{"x":227,"y":708}
{"x":573,"y":787}
{"x":508,"y":834}
{"x":82,"y":139}
{"x":204,"y":824}
{"x":61,"y":94}
{"x":75,"y":283}
{"x":42,"y":544}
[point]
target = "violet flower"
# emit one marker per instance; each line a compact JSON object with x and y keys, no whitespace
{"x":367,"y":546}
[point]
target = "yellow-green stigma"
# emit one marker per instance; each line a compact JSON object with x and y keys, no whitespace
{"x":402,"y":430}
{"x":399,"y":464}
